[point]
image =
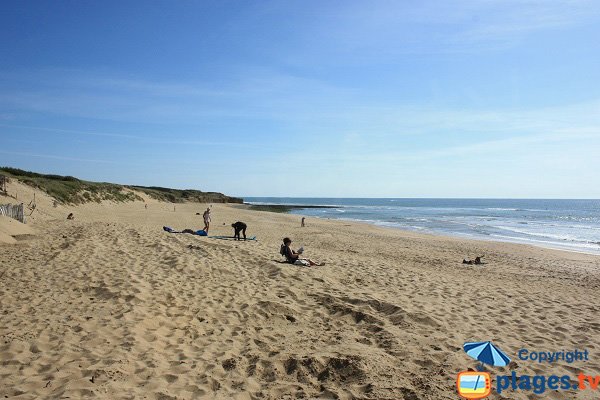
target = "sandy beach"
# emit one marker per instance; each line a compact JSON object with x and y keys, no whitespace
{"x":110,"y":306}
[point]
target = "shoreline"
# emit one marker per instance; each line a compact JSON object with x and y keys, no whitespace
{"x":423,"y":234}
{"x":459,"y":236}
{"x":289,"y":210}
{"x":282,"y":208}
{"x":590,"y":247}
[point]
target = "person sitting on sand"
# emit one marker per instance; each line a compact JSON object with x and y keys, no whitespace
{"x":293,"y":257}
{"x":239,"y":227}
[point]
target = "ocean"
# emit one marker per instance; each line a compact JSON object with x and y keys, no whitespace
{"x":560,"y":224}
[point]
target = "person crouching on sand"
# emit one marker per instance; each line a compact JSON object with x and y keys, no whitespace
{"x":239,"y":227}
{"x":293,"y":257}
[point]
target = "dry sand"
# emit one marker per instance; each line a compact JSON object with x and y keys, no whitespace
{"x":111,"y":306}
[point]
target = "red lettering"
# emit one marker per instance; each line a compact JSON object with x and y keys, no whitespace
{"x":594,"y":381}
{"x":581,"y":377}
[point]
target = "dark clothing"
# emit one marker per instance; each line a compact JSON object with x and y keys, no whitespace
{"x":239,"y":227}
{"x":289,"y":254}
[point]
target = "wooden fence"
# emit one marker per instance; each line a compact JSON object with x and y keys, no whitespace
{"x":3,"y":181}
{"x":13,"y":211}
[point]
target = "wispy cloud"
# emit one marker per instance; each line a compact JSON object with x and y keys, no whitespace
{"x":255,"y":95}
{"x":137,"y":138}
{"x":363,"y":32}
{"x":286,"y":105}
{"x":268,"y":96}
{"x":58,"y":157}
{"x":497,"y":20}
{"x":74,"y":132}
{"x":503,"y":147}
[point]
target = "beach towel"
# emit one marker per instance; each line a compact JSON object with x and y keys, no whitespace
{"x":231,"y":238}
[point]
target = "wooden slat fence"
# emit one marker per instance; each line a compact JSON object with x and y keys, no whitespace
{"x":13,"y":211}
{"x":3,"y":181}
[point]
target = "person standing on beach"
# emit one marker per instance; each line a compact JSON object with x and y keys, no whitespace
{"x":302,"y":223}
{"x":206,"y":217}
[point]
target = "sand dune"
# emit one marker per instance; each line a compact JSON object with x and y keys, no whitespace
{"x":12,"y":230}
{"x":111,"y":306}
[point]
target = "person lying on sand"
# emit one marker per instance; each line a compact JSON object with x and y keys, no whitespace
{"x":477,"y":261}
{"x":293,"y":257}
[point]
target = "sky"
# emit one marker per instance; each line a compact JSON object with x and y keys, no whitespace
{"x":482,"y":98}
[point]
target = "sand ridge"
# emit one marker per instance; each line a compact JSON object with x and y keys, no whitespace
{"x":111,"y":306}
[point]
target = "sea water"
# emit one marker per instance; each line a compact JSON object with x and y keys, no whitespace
{"x":562,"y":224}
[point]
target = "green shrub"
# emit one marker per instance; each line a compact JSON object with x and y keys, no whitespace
{"x":70,"y":190}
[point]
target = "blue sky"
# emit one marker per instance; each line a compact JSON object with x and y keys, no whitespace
{"x":307,"y":98}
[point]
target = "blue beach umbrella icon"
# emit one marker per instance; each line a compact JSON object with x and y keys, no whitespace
{"x":486,"y":353}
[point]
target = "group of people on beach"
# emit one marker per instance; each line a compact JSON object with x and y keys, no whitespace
{"x":291,"y":256}
{"x":239,"y":227}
